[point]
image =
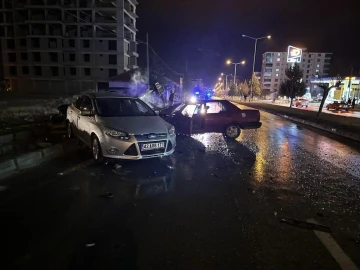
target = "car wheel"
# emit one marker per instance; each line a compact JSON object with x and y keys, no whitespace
{"x":69,"y":132}
{"x":232,"y":131}
{"x":96,"y":150}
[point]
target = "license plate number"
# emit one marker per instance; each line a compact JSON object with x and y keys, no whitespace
{"x":152,"y":146}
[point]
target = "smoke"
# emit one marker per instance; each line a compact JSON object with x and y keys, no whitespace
{"x":138,"y":87}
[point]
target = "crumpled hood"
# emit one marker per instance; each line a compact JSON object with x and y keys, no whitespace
{"x":135,"y":124}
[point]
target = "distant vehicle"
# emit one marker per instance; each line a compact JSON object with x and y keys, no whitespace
{"x":119,"y":127}
{"x":301,"y":102}
{"x":338,"y":106}
{"x":211,"y":116}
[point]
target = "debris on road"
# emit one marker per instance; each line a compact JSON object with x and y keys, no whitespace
{"x":90,"y":245}
{"x":107,"y":195}
{"x":75,"y":188}
{"x":305,"y":225}
{"x":117,"y":166}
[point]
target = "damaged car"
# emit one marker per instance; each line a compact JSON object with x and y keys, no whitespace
{"x":119,"y":127}
{"x":220,"y":116}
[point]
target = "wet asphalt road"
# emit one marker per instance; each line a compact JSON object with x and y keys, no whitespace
{"x":214,"y":209}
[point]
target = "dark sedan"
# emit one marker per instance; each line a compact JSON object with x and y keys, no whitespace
{"x":211,"y":116}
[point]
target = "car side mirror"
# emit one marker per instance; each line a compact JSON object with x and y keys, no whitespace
{"x":207,"y":107}
{"x":85,"y":113}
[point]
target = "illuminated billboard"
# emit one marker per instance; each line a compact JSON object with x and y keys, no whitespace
{"x":294,"y":55}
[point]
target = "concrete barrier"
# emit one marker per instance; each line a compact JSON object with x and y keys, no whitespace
{"x":5,"y":139}
{"x":5,"y":149}
{"x":34,"y":158}
{"x":29,"y":160}
{"x":52,"y":151}
{"x":22,"y":135}
{"x":7,"y":168}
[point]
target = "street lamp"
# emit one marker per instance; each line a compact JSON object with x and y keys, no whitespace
{"x":235,"y":64}
{"x":253,"y":67}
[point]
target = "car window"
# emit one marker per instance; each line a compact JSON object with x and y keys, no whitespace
{"x":117,"y":107}
{"x":189,"y":110}
{"x":86,"y":104}
{"x":78,"y":102}
{"x":215,"y":107}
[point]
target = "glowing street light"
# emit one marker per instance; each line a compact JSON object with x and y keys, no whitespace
{"x":235,"y":64}
{"x":253,"y":67}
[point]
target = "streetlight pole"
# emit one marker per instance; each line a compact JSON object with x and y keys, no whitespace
{"x":253,"y":66}
{"x":226,"y":81}
{"x":235,"y":64}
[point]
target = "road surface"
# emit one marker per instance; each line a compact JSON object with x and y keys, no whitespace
{"x":228,"y":207}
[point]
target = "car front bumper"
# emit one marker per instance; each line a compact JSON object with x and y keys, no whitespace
{"x":131,"y":149}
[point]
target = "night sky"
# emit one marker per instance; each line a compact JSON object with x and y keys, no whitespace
{"x":207,"y":32}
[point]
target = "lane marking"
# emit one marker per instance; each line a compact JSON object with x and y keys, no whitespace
{"x":335,"y":250}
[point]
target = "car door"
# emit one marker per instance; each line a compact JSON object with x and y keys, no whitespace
{"x":217,"y":116}
{"x":83,"y":122}
{"x":182,"y":120}
{"x":73,"y":113}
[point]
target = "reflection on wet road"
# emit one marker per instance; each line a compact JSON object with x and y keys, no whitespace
{"x":213,"y":204}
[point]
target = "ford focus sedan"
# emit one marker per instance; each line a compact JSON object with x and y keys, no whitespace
{"x":119,"y":127}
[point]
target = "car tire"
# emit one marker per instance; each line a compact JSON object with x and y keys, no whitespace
{"x":69,"y":131}
{"x":96,"y":150}
{"x":232,"y":131}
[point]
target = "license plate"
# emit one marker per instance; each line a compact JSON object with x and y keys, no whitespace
{"x":152,"y":146}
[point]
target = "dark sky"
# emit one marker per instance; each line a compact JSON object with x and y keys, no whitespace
{"x":207,"y":32}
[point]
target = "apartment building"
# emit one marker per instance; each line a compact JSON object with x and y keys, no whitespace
{"x":275,"y":63}
{"x":66,"y":46}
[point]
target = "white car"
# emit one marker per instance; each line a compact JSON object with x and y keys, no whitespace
{"x":119,"y":127}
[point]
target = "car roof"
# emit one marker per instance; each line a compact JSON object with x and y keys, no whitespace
{"x":109,"y":94}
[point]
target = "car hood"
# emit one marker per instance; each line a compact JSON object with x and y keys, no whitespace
{"x":136,"y":124}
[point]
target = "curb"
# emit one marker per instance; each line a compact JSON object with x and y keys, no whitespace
{"x":34,"y":158}
{"x":348,"y":135}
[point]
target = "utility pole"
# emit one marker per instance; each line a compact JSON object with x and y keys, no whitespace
{"x":147,"y":61}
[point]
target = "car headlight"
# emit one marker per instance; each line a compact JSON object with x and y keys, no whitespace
{"x":121,"y":135}
{"x":172,"y":131}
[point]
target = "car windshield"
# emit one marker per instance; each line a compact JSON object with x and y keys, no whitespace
{"x":117,"y":107}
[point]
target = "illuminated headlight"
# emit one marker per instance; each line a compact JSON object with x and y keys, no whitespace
{"x":117,"y":134}
{"x":172,"y":131}
{"x":193,"y":99}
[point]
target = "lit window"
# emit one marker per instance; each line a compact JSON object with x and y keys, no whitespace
{"x":317,"y":65}
{"x":278,"y":59}
{"x":277,"y":69}
{"x":279,"y":54}
{"x":317,"y":71}
{"x":277,"y":75}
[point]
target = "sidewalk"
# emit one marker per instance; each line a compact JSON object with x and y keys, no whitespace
{"x":348,"y":127}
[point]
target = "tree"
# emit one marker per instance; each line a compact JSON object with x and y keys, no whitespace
{"x":293,"y":86}
{"x":244,"y":88}
{"x":256,"y":87}
{"x":233,"y":91}
{"x":326,"y":87}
